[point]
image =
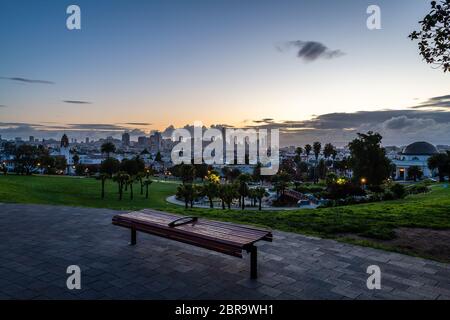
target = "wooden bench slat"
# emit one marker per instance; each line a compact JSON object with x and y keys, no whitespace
{"x":238,"y":236}
{"x":219,"y":224}
{"x":138,"y":225}
{"x":208,"y":229}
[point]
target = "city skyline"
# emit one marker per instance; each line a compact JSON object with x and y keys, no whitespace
{"x":146,"y":66}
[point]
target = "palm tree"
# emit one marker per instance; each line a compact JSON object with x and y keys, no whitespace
{"x":260,"y":193}
{"x":308,"y":149}
{"x":108,"y":148}
{"x":140,"y":177}
{"x":328,"y":150}
{"x":121,"y":178}
{"x":298,"y":154}
{"x":130,"y":182}
{"x":103,"y":177}
{"x":147,"y":183}
{"x":316,"y":149}
{"x":317,"y":146}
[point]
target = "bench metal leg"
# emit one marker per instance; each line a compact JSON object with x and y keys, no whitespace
{"x":253,"y":263}
{"x":133,"y":237}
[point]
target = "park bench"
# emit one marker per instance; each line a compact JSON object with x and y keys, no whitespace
{"x":227,"y":238}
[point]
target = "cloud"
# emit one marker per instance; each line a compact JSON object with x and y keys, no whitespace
{"x":310,"y":50}
{"x":76,"y":102}
{"x":398,"y":127}
{"x":405,"y":123}
{"x":138,"y":123}
{"x":25,"y":80}
{"x":442,"y":102}
{"x":3,"y":106}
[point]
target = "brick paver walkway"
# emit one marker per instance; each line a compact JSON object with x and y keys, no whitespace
{"x":38,"y":242}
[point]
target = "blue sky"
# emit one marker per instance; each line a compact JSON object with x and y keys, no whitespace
{"x":174,"y":62}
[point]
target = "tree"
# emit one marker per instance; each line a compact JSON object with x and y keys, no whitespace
{"x":243,"y":180}
{"x":108,"y":148}
{"x":368,"y":159}
{"x":110,"y":166}
{"x":140,"y":177}
{"x":441,"y":162}
{"x":320,"y":170}
{"x":147,"y":184}
{"x":316,"y":149}
{"x":308,"y":149}
{"x":317,"y":146}
{"x":415,"y":172}
{"x":298,"y":154}
{"x":122,"y":179}
{"x":158,"y":157}
{"x":102,"y":177}
{"x":328,"y":150}
{"x":186,"y":172}
{"x":60,"y":163}
{"x":130,"y":182}
{"x":132,"y":166}
{"x":256,"y":176}
{"x":76,"y":159}
{"x":26,"y":158}
{"x":210,"y":189}
{"x":186,"y":192}
{"x":260,"y":193}
{"x":281,"y":182}
{"x":201,"y":170}
{"x":227,"y":193}
{"x":434,"y":38}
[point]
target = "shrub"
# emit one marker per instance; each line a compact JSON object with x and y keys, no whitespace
{"x":344,"y":190}
{"x":416,"y":189}
{"x":398,"y":191}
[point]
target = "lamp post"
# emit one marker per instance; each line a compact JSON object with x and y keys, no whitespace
{"x":363,"y":183}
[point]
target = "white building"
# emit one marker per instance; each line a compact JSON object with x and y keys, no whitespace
{"x":415,"y":154}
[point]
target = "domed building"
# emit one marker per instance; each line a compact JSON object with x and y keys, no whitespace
{"x":415,"y":154}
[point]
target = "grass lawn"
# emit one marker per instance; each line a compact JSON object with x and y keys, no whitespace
{"x":373,"y":224}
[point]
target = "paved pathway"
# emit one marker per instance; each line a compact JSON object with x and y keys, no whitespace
{"x":38,"y":242}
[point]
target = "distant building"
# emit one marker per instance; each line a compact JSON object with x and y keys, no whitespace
{"x":143,"y":141}
{"x":65,"y":151}
{"x":415,"y":154}
{"x":31,"y":139}
{"x":126,"y":139}
{"x":155,"y":142}
{"x":87,"y":140}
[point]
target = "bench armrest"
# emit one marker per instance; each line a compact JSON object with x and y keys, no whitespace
{"x":181,"y":221}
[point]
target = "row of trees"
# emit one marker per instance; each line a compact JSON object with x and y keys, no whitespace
{"x":125,"y":173}
{"x":227,"y":192}
{"x":29,"y":158}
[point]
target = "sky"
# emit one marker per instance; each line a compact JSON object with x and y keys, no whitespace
{"x":312,"y":68}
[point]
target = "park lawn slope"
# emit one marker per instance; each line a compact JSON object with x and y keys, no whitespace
{"x":372,"y":224}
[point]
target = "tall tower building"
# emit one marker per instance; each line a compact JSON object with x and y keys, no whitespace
{"x":126,"y":139}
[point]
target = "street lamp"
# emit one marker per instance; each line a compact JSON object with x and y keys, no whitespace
{"x":363,"y":182}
